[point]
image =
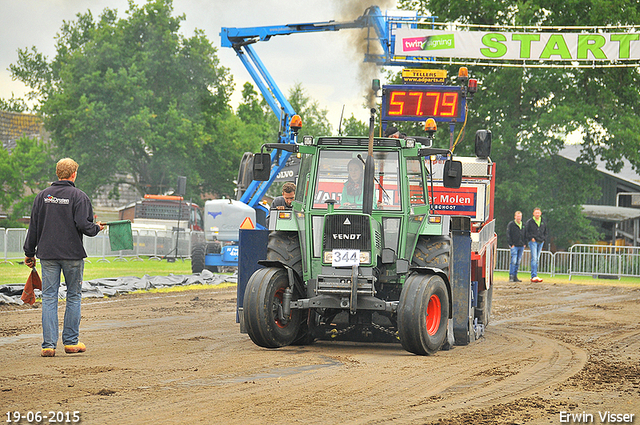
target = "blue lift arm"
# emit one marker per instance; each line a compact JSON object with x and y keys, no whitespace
{"x":242,"y":40}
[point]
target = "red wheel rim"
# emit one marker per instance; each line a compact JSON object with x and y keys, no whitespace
{"x":434,"y":313}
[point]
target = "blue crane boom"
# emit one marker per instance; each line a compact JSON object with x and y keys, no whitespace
{"x":242,"y":40}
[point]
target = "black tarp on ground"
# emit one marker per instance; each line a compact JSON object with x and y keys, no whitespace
{"x":98,"y":288}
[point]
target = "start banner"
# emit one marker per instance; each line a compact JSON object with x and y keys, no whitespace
{"x":524,"y":46}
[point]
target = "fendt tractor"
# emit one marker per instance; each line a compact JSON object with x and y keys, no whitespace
{"x":388,"y":238}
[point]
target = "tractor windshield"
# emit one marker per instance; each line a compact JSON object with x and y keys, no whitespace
{"x":340,"y":177}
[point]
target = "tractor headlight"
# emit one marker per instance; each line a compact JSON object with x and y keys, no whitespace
{"x":328,"y":257}
{"x":365,"y":257}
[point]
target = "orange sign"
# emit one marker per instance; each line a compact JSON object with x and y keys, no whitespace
{"x":247,"y":224}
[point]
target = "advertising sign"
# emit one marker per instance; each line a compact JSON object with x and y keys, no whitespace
{"x":524,"y":46}
{"x":461,"y":201}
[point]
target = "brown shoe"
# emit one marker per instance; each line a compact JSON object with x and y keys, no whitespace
{"x":78,"y":348}
{"x":48,"y":352}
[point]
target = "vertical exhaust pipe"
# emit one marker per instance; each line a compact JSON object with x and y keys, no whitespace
{"x":369,"y":170}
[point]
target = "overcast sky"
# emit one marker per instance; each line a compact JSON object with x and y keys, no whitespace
{"x":326,"y":64}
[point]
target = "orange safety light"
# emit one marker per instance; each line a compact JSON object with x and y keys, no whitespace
{"x":164,"y":197}
{"x":430,"y":126}
{"x":296,"y":123}
{"x":463,"y":74}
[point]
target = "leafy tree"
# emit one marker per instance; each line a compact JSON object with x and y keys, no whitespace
{"x":134,"y":96}
{"x":23,"y":173}
{"x":251,"y":110}
{"x":354,"y":127}
{"x":14,"y":104}
{"x":314,"y":118}
{"x":531,"y":110}
{"x":255,"y":114}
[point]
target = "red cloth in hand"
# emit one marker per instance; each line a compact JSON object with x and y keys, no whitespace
{"x":33,"y":282}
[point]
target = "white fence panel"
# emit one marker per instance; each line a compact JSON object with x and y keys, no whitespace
{"x":591,"y":260}
{"x":603,"y":260}
{"x":153,"y":243}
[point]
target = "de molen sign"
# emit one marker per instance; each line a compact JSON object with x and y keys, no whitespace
{"x":461,"y":201}
{"x":523,"y":46}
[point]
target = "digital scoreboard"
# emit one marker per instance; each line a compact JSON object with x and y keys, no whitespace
{"x":418,"y":102}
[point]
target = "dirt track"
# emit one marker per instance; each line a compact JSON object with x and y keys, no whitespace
{"x":179,"y":358}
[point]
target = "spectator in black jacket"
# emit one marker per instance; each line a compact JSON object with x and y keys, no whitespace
{"x":516,"y":241}
{"x":536,"y":233}
{"x":60,"y":216}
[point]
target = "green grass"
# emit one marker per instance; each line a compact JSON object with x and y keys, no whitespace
{"x":18,"y":273}
{"x":563,"y":278}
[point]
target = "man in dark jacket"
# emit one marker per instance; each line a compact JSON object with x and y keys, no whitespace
{"x":288,"y":195}
{"x":535,"y":232}
{"x":515,"y":239}
{"x":60,"y":216}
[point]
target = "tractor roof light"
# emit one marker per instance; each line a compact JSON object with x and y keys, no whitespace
{"x":307,"y":140}
{"x":463,"y":75}
{"x":430,"y":127}
{"x":295,"y":123}
{"x":410,"y":142}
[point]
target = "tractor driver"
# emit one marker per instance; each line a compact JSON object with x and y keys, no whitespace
{"x":352,"y":190}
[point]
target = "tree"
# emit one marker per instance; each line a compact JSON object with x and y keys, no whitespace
{"x":354,"y":127}
{"x":314,"y":118}
{"x":14,"y":104}
{"x":531,"y":110}
{"x":134,"y":97}
{"x":23,"y":173}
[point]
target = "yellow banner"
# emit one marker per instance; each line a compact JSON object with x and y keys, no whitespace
{"x":424,"y":75}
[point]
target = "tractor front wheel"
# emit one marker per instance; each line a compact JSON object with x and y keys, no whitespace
{"x":263,"y":309}
{"x":423,"y":313}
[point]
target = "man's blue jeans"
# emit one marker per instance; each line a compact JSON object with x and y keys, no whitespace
{"x":536,"y":250}
{"x":516,"y":258}
{"x":72,"y":270}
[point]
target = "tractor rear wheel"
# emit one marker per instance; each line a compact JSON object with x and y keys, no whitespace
{"x":433,"y":251}
{"x":423,"y":314}
{"x":285,"y":248}
{"x":197,"y":258}
{"x":263,"y":309}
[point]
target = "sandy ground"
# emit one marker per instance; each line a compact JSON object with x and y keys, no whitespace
{"x":551,"y":350}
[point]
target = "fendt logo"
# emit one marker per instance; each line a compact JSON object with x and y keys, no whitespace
{"x":347,"y":236}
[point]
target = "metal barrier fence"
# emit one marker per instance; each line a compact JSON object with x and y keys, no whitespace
{"x":604,"y":260}
{"x":596,"y":260}
{"x":155,"y":244}
{"x":590,"y":260}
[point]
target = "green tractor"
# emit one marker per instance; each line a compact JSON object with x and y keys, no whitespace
{"x":363,"y":256}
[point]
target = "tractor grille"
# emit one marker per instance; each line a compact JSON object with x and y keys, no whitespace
{"x":347,"y":231}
